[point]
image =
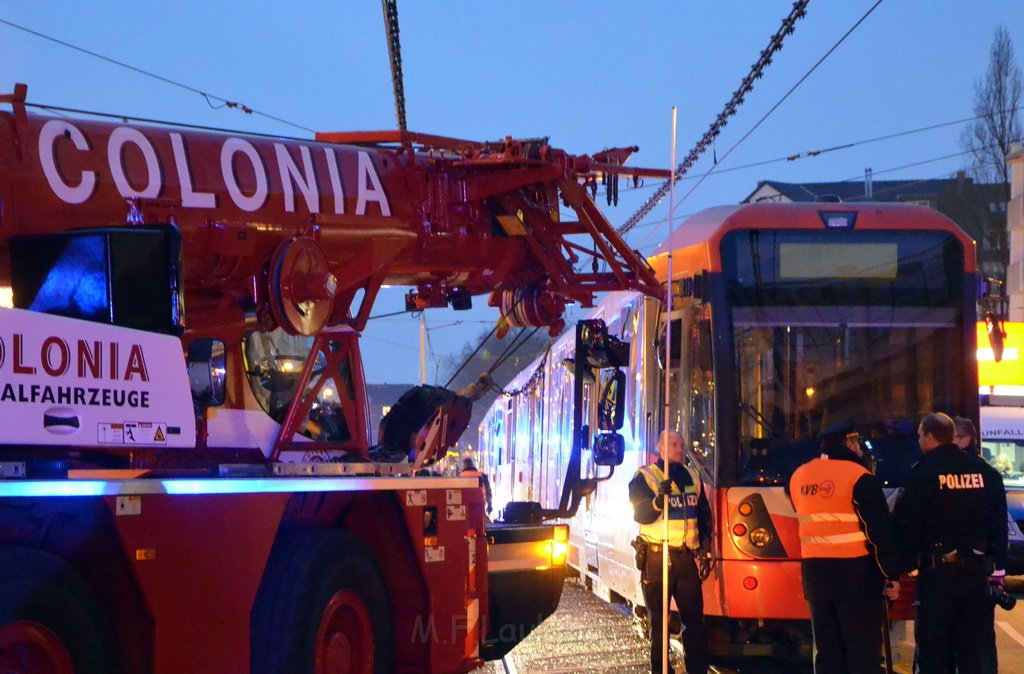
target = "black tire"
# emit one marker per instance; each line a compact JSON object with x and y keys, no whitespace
{"x":39,"y":587}
{"x":306,"y":570}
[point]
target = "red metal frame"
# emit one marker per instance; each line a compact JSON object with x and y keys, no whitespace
{"x":352,"y":408}
{"x":558,"y":176}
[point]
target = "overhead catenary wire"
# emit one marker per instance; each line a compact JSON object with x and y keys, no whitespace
{"x":756,"y":71}
{"x":716,"y":171}
{"x":511,"y":349}
{"x":644,"y":246}
{"x":206,"y":95}
{"x":471,"y":356}
{"x":787,"y":94}
{"x":920,"y":163}
{"x":806,"y":154}
{"x":389,"y":341}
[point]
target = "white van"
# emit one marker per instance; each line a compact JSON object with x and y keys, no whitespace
{"x":1002,"y":445}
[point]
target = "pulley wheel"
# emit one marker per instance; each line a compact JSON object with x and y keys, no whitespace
{"x":532,"y":306}
{"x":301,"y":286}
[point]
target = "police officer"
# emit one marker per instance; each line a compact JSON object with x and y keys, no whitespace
{"x":847,"y":552}
{"x":689,"y":525}
{"x":951,"y":518}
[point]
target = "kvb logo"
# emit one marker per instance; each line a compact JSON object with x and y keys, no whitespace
{"x":825,"y":489}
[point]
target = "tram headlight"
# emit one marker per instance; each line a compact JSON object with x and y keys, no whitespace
{"x":760,"y":537}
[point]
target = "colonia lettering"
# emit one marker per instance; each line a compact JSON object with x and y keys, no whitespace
{"x":298,"y":176}
{"x":88,"y":359}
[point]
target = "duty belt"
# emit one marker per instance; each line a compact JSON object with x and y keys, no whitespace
{"x":955,"y":558}
{"x":656,"y":548}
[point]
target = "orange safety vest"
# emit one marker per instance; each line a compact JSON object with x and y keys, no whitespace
{"x":822,"y":493}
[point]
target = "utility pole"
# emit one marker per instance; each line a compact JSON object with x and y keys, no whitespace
{"x":665,"y":507}
{"x":423,"y":347}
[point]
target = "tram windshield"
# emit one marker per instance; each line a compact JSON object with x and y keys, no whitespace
{"x":830,"y":327}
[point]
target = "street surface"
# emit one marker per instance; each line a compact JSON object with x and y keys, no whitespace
{"x":589,"y":636}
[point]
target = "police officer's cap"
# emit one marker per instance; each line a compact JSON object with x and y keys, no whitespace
{"x":839,"y":430}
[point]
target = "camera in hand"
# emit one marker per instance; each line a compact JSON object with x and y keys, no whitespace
{"x":1001,"y":597}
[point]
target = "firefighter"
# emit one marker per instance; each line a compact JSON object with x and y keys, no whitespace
{"x":847,"y":552}
{"x":689,"y":526}
{"x":469,"y":469}
{"x":951,"y":519}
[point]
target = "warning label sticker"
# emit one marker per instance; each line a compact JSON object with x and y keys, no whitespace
{"x":132,"y":433}
{"x":416,"y":497}
{"x":129,"y":505}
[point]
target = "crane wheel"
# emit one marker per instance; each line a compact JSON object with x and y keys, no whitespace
{"x":322,"y":608}
{"x":51,"y":620}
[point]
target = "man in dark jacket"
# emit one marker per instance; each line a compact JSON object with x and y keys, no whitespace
{"x":689,"y":524}
{"x":469,"y":469}
{"x":951,"y":521}
{"x":847,"y":552}
{"x":966,"y":438}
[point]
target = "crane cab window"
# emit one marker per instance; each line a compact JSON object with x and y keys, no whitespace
{"x":275,"y":363}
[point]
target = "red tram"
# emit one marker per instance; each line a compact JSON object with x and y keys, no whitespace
{"x":787,"y":319}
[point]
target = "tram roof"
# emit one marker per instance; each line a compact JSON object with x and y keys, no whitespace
{"x":693,"y":240}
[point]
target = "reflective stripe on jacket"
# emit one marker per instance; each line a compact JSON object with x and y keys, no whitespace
{"x":683,"y":528}
{"x":822,"y":493}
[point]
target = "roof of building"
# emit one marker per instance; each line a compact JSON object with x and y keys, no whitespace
{"x":882,"y":190}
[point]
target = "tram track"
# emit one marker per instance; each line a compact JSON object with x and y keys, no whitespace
{"x":590,"y":636}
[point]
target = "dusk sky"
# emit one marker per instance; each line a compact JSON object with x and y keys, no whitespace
{"x":587,"y":75}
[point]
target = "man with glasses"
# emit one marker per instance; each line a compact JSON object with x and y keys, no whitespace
{"x":965,"y":437}
{"x":951,"y":521}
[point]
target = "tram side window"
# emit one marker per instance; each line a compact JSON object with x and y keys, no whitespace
{"x":536,"y":429}
{"x":677,"y":381}
{"x":512,"y":429}
{"x":702,"y":400}
{"x":497,"y":438}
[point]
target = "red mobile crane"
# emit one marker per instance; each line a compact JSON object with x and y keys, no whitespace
{"x":186,"y":480}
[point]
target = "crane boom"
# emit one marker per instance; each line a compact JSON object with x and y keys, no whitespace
{"x":277,"y":223}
